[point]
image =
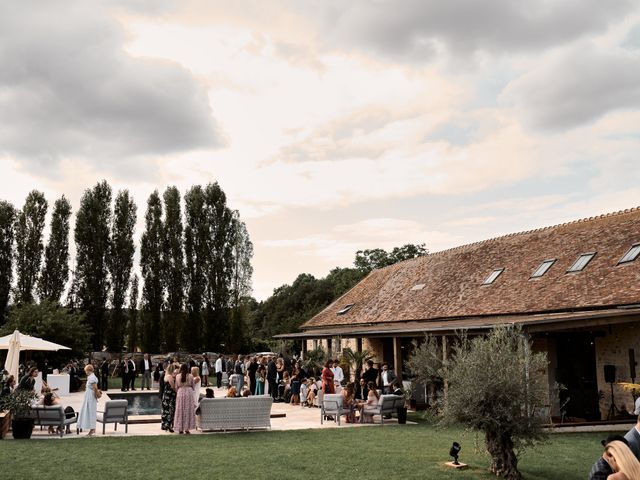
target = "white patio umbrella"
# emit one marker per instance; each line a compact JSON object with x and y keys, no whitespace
{"x":17,"y":342}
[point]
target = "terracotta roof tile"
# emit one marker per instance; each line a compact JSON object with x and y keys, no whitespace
{"x":453,"y":278}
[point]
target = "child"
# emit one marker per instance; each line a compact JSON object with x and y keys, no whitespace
{"x":304,"y":389}
{"x":295,"y":390}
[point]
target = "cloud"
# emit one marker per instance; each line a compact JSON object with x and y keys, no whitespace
{"x":68,"y":89}
{"x":342,"y":241}
{"x":576,"y":87}
{"x":416,"y":30}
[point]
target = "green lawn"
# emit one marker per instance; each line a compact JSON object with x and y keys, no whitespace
{"x":412,"y":451}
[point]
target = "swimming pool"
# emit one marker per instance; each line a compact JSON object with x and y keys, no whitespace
{"x":140,"y":403}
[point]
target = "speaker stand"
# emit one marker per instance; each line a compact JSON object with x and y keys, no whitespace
{"x":613,"y":410}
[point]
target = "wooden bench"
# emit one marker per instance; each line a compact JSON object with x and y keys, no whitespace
{"x":53,"y":416}
{"x":224,"y":414}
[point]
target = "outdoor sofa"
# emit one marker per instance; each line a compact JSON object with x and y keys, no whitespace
{"x":244,"y":413}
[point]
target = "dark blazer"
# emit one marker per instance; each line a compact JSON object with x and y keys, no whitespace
{"x":140,"y":366}
{"x":371,"y":375}
{"x":272,"y":371}
{"x":633,"y":437}
{"x":362,"y":393}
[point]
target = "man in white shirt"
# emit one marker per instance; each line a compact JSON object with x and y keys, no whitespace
{"x":218,"y":367}
{"x":145,"y":369}
{"x":338,"y":374}
{"x":388,"y":378}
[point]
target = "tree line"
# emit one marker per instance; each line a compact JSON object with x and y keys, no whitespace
{"x":292,"y":305}
{"x":195,"y":267}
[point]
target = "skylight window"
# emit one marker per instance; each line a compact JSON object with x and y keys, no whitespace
{"x":542,"y":269}
{"x":581,"y":262}
{"x":345,"y":309}
{"x":419,"y":286}
{"x":492,"y":276}
{"x":631,"y":255}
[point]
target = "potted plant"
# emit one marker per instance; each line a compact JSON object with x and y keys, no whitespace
{"x":18,"y":404}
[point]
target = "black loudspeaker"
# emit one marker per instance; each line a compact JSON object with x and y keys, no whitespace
{"x":610,"y":373}
{"x":632,"y":364}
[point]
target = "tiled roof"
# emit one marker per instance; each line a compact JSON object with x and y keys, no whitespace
{"x":453,"y":278}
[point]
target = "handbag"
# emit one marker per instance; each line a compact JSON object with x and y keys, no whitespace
{"x":99,"y":394}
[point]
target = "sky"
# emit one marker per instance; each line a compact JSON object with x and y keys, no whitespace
{"x":332,"y":125}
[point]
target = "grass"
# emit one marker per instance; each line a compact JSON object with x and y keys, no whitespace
{"x":412,"y":451}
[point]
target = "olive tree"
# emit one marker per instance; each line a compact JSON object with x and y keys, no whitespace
{"x":497,"y":387}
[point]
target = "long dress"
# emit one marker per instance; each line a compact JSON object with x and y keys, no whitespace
{"x":168,"y":404}
{"x":372,"y":401}
{"x":259,"y":384}
{"x":327,"y":381}
{"x":185,"y":417}
{"x":89,"y":408}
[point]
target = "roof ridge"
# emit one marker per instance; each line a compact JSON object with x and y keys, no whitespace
{"x":541,"y":229}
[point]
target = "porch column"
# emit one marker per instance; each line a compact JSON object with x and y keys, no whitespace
{"x":397,"y":357}
{"x":445,"y":356}
{"x":303,"y":351}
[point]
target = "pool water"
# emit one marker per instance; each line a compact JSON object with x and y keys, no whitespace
{"x":141,"y":403}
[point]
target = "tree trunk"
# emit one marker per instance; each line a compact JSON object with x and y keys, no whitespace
{"x":504,"y":462}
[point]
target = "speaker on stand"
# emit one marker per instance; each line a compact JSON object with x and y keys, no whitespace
{"x":610,"y":378}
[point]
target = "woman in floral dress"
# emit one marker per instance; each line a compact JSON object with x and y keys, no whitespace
{"x":185,"y":417}
{"x":169,"y":399}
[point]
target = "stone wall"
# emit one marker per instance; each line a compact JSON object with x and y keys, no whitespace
{"x":613,"y":349}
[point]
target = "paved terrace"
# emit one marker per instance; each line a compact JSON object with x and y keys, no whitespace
{"x":295,"y":418}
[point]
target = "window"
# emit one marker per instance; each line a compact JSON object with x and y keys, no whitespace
{"x":492,"y":276}
{"x":345,"y":309}
{"x":631,"y":255}
{"x":581,"y":262}
{"x":419,"y":286}
{"x":542,"y":269}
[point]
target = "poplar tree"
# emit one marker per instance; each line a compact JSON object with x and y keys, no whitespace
{"x":133,"y":330}
{"x":120,"y":263}
{"x":55,"y":271}
{"x":173,"y":258}
{"x":242,"y":253}
{"x":7,"y":219}
{"x":29,"y":246}
{"x":91,"y":276}
{"x":218,"y":220}
{"x":152,"y":273}
{"x":195,"y":244}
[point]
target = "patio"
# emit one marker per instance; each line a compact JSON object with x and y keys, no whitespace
{"x":283,"y":417}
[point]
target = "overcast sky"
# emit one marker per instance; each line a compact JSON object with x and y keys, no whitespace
{"x":332,"y":126}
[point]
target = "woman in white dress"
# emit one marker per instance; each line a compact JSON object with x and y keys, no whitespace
{"x":196,"y":386}
{"x":88,"y":411}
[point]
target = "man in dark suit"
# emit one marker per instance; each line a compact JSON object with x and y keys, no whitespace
{"x":104,"y":374}
{"x":131,"y":366}
{"x":272,"y":375}
{"x":362,"y":392}
{"x":370,"y":374}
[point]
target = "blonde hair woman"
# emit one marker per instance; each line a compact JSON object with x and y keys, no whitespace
{"x":88,"y":411}
{"x":622,"y":461}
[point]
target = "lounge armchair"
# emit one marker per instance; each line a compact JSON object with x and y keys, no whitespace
{"x":115,"y":411}
{"x":52,"y":416}
{"x":333,"y":405}
{"x":387,"y":405}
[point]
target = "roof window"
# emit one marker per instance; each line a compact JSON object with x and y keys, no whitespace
{"x":492,"y":276}
{"x":345,"y":309}
{"x":631,"y":255}
{"x":542,"y":269}
{"x":581,"y":262}
{"x":419,"y":286}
